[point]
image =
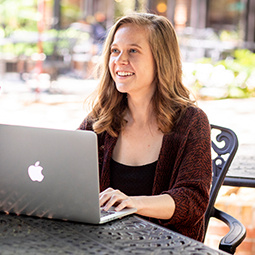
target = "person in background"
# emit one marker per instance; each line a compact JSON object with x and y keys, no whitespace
{"x":98,"y":33}
{"x":153,"y":141}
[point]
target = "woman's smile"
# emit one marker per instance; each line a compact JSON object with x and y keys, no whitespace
{"x":124,"y":74}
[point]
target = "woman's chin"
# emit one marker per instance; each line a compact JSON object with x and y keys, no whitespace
{"x":122,"y":88}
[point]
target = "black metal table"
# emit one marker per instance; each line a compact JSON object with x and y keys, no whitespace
{"x":130,"y":235}
{"x":242,"y":172}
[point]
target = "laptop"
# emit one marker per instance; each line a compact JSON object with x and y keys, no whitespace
{"x":51,"y":173}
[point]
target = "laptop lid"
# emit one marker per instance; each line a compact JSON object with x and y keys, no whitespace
{"x":49,"y":173}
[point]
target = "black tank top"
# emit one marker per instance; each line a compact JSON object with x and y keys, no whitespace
{"x":133,"y":180}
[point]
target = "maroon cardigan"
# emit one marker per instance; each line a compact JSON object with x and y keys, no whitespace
{"x":183,"y":171}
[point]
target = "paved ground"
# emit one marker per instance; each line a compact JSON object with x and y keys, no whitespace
{"x":238,"y":115}
{"x":65,"y":110}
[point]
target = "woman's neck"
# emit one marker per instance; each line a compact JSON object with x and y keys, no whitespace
{"x":140,"y":111}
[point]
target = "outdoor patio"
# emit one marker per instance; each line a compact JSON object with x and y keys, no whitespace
{"x":64,"y":108}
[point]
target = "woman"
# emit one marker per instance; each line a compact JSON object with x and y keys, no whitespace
{"x":154,"y":143}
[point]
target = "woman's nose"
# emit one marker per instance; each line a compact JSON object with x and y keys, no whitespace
{"x":122,"y":58}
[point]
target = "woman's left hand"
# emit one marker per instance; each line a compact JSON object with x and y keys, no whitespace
{"x":157,"y":206}
{"x":110,"y":197}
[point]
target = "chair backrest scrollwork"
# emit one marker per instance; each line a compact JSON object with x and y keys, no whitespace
{"x":224,"y":147}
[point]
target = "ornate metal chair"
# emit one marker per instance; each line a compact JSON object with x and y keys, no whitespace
{"x":224,"y":147}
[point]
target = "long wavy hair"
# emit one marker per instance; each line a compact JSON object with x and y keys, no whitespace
{"x":171,"y":97}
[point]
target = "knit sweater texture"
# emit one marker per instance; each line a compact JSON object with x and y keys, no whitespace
{"x":184,"y":170}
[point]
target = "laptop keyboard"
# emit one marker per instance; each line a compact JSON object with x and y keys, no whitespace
{"x":106,"y":213}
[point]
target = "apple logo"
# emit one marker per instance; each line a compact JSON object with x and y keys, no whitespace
{"x":35,"y":172}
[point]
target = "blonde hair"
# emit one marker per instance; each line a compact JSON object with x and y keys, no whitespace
{"x":171,"y":97}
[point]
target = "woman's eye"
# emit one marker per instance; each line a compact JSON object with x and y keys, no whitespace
{"x":133,"y":51}
{"x":114,"y":51}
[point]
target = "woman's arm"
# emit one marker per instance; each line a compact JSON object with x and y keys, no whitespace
{"x":159,"y":206}
{"x":192,"y":175}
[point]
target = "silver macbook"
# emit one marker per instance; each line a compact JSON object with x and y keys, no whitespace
{"x":51,"y":173}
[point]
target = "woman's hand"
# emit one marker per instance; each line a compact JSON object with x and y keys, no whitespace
{"x":110,"y":197}
{"x":158,"y":206}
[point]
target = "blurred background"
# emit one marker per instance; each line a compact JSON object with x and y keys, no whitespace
{"x":48,"y":51}
{"x":64,"y":37}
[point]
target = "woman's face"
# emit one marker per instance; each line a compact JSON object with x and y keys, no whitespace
{"x":131,"y":62}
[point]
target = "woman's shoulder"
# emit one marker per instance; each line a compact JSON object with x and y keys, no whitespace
{"x":87,"y":124}
{"x":195,"y":114}
{"x":193,"y":118}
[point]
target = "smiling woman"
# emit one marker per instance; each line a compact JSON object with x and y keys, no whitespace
{"x":154,"y":143}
